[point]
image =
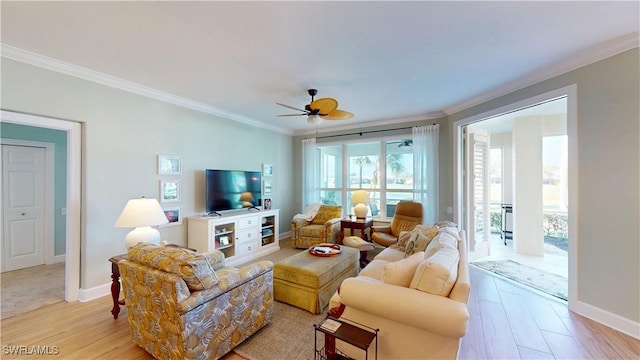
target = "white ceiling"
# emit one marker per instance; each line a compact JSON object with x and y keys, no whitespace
{"x":383,"y":61}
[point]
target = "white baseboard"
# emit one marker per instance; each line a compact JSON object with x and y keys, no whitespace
{"x":607,"y":318}
{"x":285,"y":234}
{"x":59,"y":258}
{"x":93,"y":293}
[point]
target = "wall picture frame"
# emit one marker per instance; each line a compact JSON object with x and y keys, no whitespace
{"x":169,"y":165}
{"x":170,"y":191}
{"x":173,"y":214}
{"x":266,"y":204}
{"x":267,"y":187}
{"x":267,"y":170}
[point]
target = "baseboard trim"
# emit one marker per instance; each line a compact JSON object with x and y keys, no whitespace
{"x":607,"y":318}
{"x":93,"y":293}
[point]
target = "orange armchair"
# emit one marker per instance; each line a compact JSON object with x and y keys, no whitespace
{"x":408,"y":215}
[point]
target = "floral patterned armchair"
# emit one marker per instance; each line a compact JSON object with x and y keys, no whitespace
{"x":185,"y":305}
{"x":324,"y":228}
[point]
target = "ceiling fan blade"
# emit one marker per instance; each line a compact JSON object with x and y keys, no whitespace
{"x":292,"y":107}
{"x":293,"y":115}
{"x":338,"y":115}
{"x":324,"y":105}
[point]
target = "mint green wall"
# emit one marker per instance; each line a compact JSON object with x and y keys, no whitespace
{"x":608,"y":180}
{"x":122,"y":136}
{"x":59,"y":139}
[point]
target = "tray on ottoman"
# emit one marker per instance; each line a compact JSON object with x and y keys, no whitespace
{"x":308,"y":282}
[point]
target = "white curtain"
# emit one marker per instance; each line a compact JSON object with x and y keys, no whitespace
{"x":310,"y":189}
{"x":425,"y":170}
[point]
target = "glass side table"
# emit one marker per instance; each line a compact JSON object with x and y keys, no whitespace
{"x":358,"y":335}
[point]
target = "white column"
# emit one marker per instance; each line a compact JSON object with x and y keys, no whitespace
{"x":528,"y":233}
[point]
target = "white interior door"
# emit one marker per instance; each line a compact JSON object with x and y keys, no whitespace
{"x":23,"y":196}
{"x":477,"y":192}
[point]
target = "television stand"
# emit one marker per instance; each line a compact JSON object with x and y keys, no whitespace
{"x":213,"y":213}
{"x":241,"y":236}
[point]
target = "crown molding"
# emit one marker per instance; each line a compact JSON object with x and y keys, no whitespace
{"x":590,"y":56}
{"x":31,"y":58}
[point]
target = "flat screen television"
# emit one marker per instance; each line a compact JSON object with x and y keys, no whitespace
{"x":231,"y":189}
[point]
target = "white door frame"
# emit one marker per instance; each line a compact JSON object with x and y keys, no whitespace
{"x":73,"y":129}
{"x":49,"y":242}
{"x":571,"y":93}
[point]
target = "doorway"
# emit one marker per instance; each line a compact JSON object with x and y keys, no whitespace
{"x":73,"y":177}
{"x":520,"y":180}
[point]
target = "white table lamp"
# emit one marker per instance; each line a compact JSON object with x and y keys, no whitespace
{"x":142,"y":214}
{"x":359,"y":199}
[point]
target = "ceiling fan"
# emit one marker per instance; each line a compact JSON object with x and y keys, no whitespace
{"x":319,"y":110}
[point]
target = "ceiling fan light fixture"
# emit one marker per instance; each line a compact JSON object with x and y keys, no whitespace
{"x":314,"y":120}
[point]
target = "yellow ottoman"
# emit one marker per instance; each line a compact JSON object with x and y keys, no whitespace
{"x":308,"y":282}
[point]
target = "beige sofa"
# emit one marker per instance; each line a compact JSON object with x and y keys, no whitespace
{"x":185,"y":305}
{"x":418,"y":302}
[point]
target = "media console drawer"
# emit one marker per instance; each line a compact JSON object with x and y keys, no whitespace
{"x":249,"y":221}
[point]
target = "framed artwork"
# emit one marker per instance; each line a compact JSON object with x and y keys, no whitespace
{"x":267,"y":170}
{"x":267,"y":204}
{"x":267,"y":186}
{"x":170,"y":191}
{"x":169,"y":165}
{"x":173,"y":214}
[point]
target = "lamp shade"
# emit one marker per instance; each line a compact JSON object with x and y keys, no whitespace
{"x":359,"y":199}
{"x":247,"y":199}
{"x":142,"y":214}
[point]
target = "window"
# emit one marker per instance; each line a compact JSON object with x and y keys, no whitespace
{"x":382,"y":167}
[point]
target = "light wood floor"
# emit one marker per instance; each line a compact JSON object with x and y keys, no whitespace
{"x":507,"y":322}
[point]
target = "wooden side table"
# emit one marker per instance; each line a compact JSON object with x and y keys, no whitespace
{"x":115,"y":284}
{"x":362,"y":224}
{"x":349,"y":332}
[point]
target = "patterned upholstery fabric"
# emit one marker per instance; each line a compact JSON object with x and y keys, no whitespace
{"x":324,"y":228}
{"x":197,"y":270}
{"x":170,"y":321}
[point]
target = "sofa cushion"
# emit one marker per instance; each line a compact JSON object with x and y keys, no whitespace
{"x":374,"y":269}
{"x":390,"y":254}
{"x":401,"y":272}
{"x":419,"y":238}
{"x":443,"y":239}
{"x":438,"y":273}
{"x":197,"y":270}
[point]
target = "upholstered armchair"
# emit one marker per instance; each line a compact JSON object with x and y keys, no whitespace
{"x":323,"y":228}
{"x":185,"y":305}
{"x":408,"y":215}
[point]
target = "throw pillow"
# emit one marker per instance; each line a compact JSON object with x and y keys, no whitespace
{"x":401,"y":272}
{"x":420,"y":237}
{"x":197,"y":270}
{"x":443,"y":239}
{"x":403,"y":239}
{"x":438,"y":273}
